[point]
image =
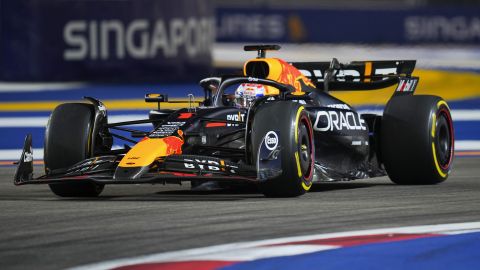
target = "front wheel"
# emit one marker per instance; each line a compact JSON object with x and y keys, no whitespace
{"x":287,"y":122}
{"x":417,"y":139}
{"x":67,"y":141}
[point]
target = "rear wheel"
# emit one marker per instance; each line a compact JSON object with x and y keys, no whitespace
{"x":295,"y":141}
{"x":67,"y":141}
{"x":417,"y":140}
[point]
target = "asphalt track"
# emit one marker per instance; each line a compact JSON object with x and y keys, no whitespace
{"x":41,"y":231}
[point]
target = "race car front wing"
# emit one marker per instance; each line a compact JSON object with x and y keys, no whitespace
{"x":170,"y":169}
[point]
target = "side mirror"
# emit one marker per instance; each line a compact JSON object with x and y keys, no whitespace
{"x":156,"y":98}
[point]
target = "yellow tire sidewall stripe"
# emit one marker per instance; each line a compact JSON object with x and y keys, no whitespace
{"x":297,"y":158}
{"x":434,"y":152}
{"x":299,"y":111}
{"x":443,"y":102}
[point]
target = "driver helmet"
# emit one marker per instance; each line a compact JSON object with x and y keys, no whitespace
{"x":246,"y":93}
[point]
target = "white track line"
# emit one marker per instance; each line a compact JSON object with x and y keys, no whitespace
{"x":34,"y":87}
{"x":465,"y":145}
{"x":457,"y":115}
{"x":41,"y":121}
{"x":466,"y":115}
{"x":218,"y":252}
{"x":255,"y":253}
{"x":14,"y":154}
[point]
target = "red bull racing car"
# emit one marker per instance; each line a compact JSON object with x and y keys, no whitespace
{"x":277,"y":126}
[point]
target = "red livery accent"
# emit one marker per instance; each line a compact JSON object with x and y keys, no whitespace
{"x":179,"y":174}
{"x":197,"y":265}
{"x":215,"y":124}
{"x":402,"y":86}
{"x":174,"y":145}
{"x":185,"y":115}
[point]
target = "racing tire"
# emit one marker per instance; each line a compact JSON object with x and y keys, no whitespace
{"x":295,"y":140}
{"x":67,"y":141}
{"x":417,"y":140}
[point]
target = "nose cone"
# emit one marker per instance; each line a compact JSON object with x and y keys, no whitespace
{"x":139,"y":159}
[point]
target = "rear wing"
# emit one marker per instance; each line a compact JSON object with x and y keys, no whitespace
{"x":358,"y":75}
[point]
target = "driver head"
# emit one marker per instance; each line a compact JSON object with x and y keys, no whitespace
{"x":246,"y":94}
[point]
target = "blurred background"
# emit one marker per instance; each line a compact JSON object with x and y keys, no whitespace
{"x":55,"y":51}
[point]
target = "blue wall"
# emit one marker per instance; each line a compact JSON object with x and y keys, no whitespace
{"x":104,"y":39}
{"x":403,"y":26}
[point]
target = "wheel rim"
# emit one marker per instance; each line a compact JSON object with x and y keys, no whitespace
{"x":444,"y":138}
{"x":305,"y":148}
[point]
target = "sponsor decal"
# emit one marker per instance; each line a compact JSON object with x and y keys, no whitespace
{"x":28,"y":156}
{"x":166,"y":129}
{"x":271,"y":140}
{"x":238,"y":117}
{"x":269,"y":164}
{"x":209,"y":165}
{"x":273,"y":155}
{"x":344,"y":74}
{"x":339,"y":106}
{"x":338,"y":120}
{"x":407,"y":85}
{"x":101,"y":107}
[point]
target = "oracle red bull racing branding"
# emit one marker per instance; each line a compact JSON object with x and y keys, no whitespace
{"x":209,"y":165}
{"x":337,"y":120}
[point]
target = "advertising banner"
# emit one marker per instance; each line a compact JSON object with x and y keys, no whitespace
{"x":121,"y":40}
{"x":430,"y":25}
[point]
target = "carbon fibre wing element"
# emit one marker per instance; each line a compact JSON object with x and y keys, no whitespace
{"x":24,"y":170}
{"x":357,"y":75}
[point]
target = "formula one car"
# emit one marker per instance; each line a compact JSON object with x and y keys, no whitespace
{"x":277,"y":126}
